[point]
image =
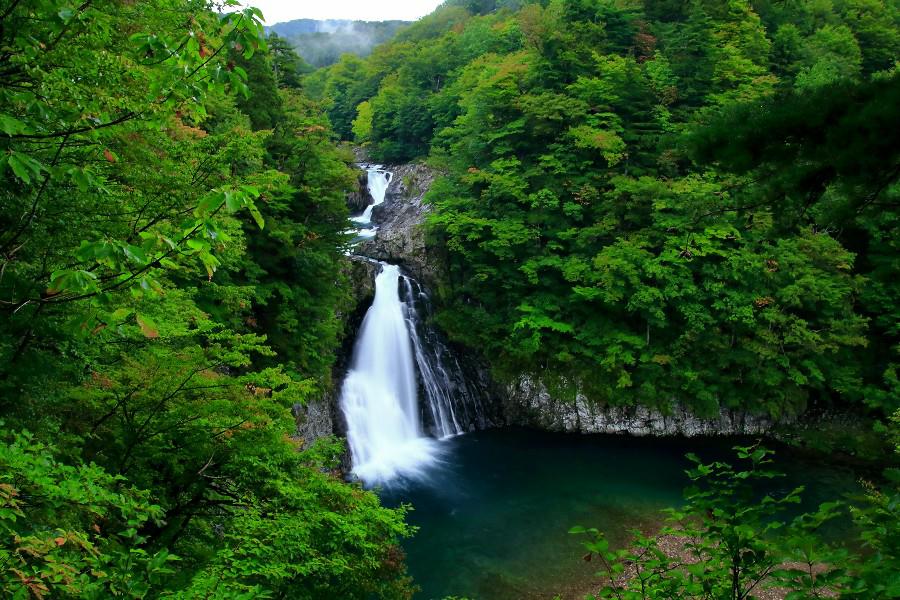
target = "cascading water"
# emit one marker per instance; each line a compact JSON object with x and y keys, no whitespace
{"x":397,"y":353}
{"x":379,"y":398}
{"x":378,"y":182}
{"x":452,"y":406}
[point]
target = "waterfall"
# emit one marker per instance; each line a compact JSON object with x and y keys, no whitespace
{"x":378,"y":181}
{"x":397,"y":355}
{"x":379,"y":397}
{"x":453,"y":408}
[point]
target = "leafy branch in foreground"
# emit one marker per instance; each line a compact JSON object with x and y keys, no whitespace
{"x":733,"y":538}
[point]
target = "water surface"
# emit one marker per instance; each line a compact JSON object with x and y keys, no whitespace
{"x":494,"y":515}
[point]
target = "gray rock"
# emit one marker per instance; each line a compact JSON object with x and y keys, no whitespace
{"x":314,"y":420}
{"x":360,"y":198}
{"x":362,"y":273}
{"x":527,"y":402}
{"x":401,"y":236}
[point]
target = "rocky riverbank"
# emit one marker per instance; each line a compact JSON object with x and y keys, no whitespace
{"x":529,"y":403}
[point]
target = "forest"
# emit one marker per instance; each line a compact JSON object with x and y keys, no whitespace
{"x":647,"y":203}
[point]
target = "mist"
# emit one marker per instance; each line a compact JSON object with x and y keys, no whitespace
{"x":321,"y":43}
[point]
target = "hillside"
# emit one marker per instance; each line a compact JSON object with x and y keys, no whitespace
{"x":654,"y":203}
{"x":321,"y":43}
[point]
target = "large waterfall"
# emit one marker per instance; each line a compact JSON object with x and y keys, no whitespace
{"x":379,"y":396}
{"x":397,"y":355}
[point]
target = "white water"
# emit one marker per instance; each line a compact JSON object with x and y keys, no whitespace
{"x":435,"y":378}
{"x":379,"y":397}
{"x":378,"y":182}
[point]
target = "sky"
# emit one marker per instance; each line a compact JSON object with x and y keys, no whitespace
{"x":277,"y":11}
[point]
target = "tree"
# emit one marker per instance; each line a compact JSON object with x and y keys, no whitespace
{"x":736,"y":541}
{"x":162,"y":275}
{"x":362,"y":124}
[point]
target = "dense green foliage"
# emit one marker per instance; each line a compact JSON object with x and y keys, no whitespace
{"x":649,"y":201}
{"x":656,"y":202}
{"x":171,"y":216}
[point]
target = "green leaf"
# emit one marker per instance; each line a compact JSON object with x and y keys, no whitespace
{"x":135,"y":254}
{"x":257,"y":216}
{"x":233,"y":202}
{"x":73,"y":280}
{"x":66,"y":14}
{"x":120,"y":314}
{"x":24,"y":166}
{"x":12,"y":126}
{"x":578,"y":529}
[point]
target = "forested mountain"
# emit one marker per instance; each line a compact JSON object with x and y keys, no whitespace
{"x":656,"y":202}
{"x":321,"y":43}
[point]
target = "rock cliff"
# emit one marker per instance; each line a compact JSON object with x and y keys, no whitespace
{"x":528,"y":403}
{"x":400,"y":219}
{"x":360,"y":198}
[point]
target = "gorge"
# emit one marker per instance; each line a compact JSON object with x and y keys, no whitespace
{"x":390,"y":229}
{"x":489,"y":525}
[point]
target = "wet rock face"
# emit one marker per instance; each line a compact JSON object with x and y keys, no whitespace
{"x":528,"y":403}
{"x":360,"y":198}
{"x":400,"y":219}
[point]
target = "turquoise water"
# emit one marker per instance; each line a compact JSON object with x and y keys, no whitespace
{"x":493,"y":517}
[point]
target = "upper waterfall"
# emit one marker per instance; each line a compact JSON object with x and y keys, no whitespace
{"x":378,"y":182}
{"x":379,"y":397}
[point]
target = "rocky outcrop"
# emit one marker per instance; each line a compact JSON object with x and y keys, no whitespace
{"x":360,"y":198}
{"x":528,"y":403}
{"x":362,"y":273}
{"x":400,"y":219}
{"x":314,"y":420}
